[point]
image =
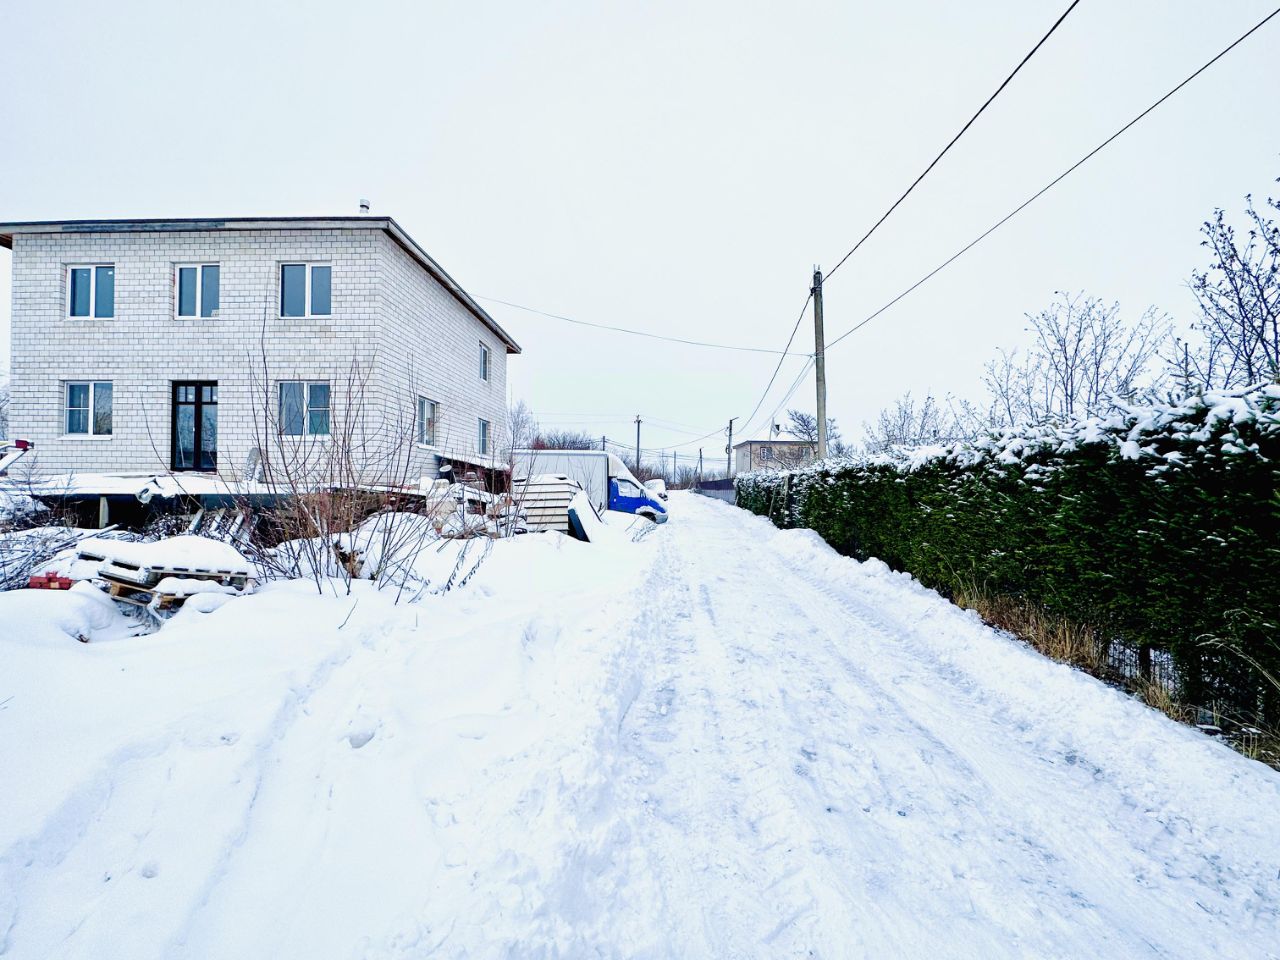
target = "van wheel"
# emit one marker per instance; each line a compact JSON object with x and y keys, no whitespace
{"x":648,"y":515}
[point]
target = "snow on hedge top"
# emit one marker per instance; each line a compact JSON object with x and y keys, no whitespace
{"x":186,"y":552}
{"x":1215,"y":423}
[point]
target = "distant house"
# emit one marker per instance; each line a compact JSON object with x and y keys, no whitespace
{"x":148,"y":346}
{"x":771,"y":454}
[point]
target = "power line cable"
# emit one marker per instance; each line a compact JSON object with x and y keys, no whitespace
{"x":804,"y":372}
{"x":896,"y":203}
{"x":774,"y":376}
{"x":634,"y":333}
{"x":1055,"y":181}
{"x":1000,"y":89}
{"x":784,"y":356}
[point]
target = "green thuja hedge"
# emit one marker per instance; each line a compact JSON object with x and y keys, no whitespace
{"x":1158,"y":527}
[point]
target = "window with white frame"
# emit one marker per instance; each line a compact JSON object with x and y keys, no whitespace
{"x":197,"y":289}
{"x":428,"y":412}
{"x":482,"y":440}
{"x":766,"y":453}
{"x":484,"y":362}
{"x":304,"y":408}
{"x":87,"y":408}
{"x":306,"y":290}
{"x":91,"y":290}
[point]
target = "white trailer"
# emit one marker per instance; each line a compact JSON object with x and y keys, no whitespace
{"x":603,"y":477}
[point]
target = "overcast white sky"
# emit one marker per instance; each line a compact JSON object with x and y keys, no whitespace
{"x":672,"y":167}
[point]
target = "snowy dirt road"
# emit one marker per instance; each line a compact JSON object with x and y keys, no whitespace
{"x":723,"y":741}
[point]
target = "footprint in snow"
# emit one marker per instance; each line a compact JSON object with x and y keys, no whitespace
{"x":150,"y":869}
{"x":358,"y":738}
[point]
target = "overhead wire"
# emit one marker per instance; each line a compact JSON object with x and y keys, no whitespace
{"x":1056,"y":180}
{"x":1057,"y":23}
{"x":628,"y":330}
{"x":933,"y":163}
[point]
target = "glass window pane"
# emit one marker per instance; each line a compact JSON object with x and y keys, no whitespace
{"x":104,"y":294}
{"x":291,"y":411}
{"x":186,"y":291}
{"x":320,"y":281}
{"x":484,"y":436}
{"x":184,"y":439}
{"x":80,"y":291}
{"x":78,"y":421}
{"x":78,"y":396}
{"x":318,"y":395}
{"x":208,"y":290}
{"x":318,"y":422}
{"x":293,"y":290}
{"x":209,"y":437}
{"x":431,"y":423}
{"x":102,"y":408}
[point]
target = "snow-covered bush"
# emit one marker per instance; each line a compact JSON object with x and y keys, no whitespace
{"x":1158,"y":526}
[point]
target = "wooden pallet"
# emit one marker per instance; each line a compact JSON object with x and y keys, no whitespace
{"x":139,"y":595}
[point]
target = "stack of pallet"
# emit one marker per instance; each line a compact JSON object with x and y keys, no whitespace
{"x":164,"y":574}
{"x":545,"y":500}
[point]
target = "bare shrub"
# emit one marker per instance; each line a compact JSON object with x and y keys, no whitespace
{"x":1082,"y":357}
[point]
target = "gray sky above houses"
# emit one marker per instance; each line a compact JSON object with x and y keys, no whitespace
{"x":673,"y":167}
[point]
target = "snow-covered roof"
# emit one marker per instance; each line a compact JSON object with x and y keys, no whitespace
{"x":142,"y":485}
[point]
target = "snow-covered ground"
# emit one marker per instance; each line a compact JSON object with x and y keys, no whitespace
{"x":721,"y":741}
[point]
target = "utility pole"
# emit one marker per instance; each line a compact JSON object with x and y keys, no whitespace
{"x":637,"y":441}
{"x":699,"y":483}
{"x":820,"y":363}
{"x":728,"y":452}
{"x":602,"y":443}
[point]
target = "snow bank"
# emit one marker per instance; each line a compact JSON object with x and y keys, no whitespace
{"x":45,"y":617}
{"x":288,"y":775}
{"x":721,"y":741}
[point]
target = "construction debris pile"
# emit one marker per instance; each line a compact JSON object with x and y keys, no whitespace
{"x":161,"y":575}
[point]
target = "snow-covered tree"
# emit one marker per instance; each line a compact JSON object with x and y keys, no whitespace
{"x":911,"y":424}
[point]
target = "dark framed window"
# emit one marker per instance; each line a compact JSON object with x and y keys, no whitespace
{"x":195,"y":425}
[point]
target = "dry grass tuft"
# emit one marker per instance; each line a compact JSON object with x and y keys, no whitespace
{"x":1056,"y":637}
{"x":1080,"y":646}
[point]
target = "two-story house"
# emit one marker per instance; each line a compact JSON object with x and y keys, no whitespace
{"x":224,"y":346}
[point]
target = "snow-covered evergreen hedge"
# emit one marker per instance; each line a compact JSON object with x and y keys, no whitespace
{"x":1159,"y":526}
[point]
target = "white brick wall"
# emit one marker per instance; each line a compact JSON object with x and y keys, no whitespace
{"x":432,"y":348}
{"x":389,"y":317}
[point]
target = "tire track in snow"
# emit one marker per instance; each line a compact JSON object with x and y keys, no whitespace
{"x":1016,"y":821}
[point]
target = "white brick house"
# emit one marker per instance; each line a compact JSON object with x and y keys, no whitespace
{"x":144,"y":346}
